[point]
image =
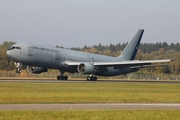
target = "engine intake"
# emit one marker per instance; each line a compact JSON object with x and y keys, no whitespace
{"x":86,"y":68}
{"x":36,"y":70}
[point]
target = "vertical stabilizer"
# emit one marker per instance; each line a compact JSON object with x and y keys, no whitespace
{"x":130,"y":50}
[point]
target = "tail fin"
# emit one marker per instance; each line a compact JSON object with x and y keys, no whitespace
{"x":130,"y":50}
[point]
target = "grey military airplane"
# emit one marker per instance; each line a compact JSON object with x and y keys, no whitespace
{"x":39,"y":58}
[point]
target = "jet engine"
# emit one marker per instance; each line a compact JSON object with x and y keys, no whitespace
{"x":36,"y":70}
{"x":86,"y":68}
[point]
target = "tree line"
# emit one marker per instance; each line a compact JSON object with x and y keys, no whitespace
{"x":5,"y":63}
{"x":147,"y":51}
{"x":144,"y":47}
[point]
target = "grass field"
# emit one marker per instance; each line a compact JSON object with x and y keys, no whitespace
{"x":92,"y":115}
{"x":95,"y":92}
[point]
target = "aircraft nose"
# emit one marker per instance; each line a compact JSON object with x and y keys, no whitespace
{"x":8,"y":54}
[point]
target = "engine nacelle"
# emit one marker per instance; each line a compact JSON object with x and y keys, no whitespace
{"x":86,"y":68}
{"x":36,"y":70}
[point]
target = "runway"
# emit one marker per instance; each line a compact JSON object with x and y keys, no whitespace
{"x":99,"y":106}
{"x":84,"y":81}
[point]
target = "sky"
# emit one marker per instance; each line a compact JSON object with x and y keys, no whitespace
{"x":75,"y":23}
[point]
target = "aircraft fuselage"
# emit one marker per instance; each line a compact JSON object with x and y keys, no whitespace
{"x":56,"y":58}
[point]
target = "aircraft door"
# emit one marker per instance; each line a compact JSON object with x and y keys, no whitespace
{"x":30,"y":49}
{"x":57,"y":57}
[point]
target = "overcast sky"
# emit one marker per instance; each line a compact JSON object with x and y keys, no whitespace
{"x":75,"y":23}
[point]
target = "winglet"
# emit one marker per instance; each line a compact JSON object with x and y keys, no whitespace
{"x":130,"y":50}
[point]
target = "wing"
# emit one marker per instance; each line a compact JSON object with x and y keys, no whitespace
{"x":122,"y":64}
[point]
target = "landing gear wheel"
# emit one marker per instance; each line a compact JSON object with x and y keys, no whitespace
{"x":92,"y":78}
{"x":87,"y":78}
{"x":18,"y":70}
{"x":95,"y":78}
{"x":62,"y":77}
{"x":65,"y":77}
{"x":58,"y":77}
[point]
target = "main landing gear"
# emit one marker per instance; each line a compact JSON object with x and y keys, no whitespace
{"x":91,"y":78}
{"x":18,"y":67}
{"x":61,"y":76}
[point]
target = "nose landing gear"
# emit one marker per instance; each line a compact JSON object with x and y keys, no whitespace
{"x":18,"y":67}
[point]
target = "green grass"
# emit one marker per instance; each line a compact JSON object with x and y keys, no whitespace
{"x":92,"y":115}
{"x":95,"y":92}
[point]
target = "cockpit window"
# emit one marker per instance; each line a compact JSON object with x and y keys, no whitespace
{"x":12,"y":48}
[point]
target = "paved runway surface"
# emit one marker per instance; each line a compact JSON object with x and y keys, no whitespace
{"x":109,"y":106}
{"x":117,"y":81}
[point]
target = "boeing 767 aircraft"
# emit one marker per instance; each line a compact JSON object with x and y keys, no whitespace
{"x":40,"y":58}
